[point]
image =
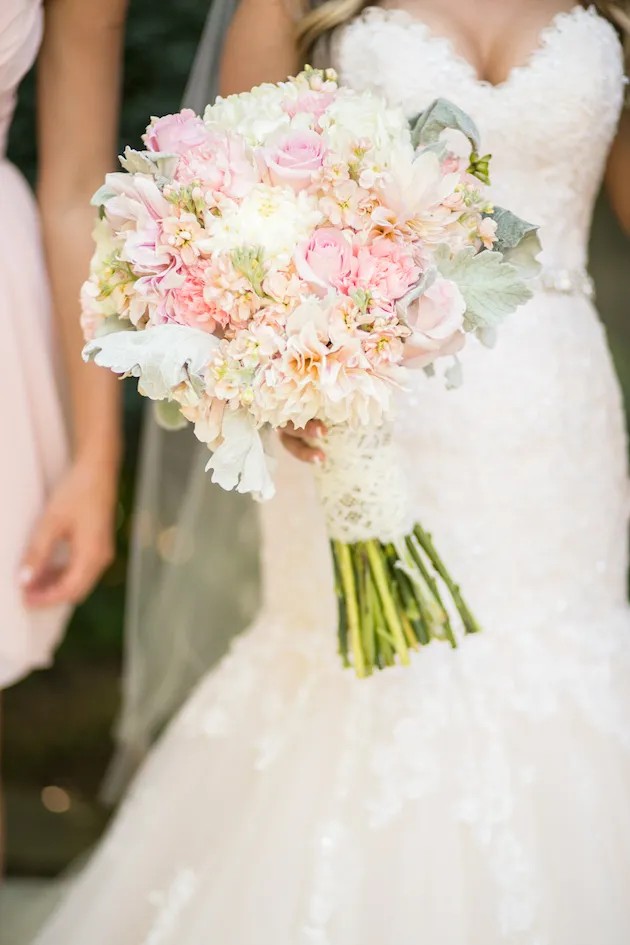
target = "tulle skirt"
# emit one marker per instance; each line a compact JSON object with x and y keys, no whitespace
{"x":35,"y":446}
{"x":478,"y":797}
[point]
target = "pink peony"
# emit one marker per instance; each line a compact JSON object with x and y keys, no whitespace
{"x":187,"y":305}
{"x":220,"y":164}
{"x":385,"y":269}
{"x":176,"y":134}
{"x":436,"y":322}
{"x":324,"y":261}
{"x":312,"y":103}
{"x":294,"y":159}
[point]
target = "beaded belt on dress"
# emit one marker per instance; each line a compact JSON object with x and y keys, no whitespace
{"x":567,"y":281}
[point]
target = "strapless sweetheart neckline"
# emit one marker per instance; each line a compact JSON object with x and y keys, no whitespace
{"x":546,"y":38}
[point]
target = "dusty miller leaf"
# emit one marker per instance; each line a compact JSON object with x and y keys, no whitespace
{"x":518,"y":240}
{"x":161,"y":357}
{"x":441,"y":114}
{"x":492,"y":288}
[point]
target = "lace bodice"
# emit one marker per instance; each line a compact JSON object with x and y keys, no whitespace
{"x":548,"y":126}
{"x":20,"y":36}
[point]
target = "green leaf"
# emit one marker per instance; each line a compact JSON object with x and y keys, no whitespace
{"x":161,"y":357}
{"x":158,"y":164}
{"x":101,"y":197}
{"x":517,"y":240}
{"x":168,"y":415}
{"x":441,"y":114}
{"x":479,"y":167}
{"x":249,"y":261}
{"x":492,"y":288}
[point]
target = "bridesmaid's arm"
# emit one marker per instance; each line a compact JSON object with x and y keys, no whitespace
{"x":260,"y":46}
{"x":618,"y":173}
{"x":79,"y":75}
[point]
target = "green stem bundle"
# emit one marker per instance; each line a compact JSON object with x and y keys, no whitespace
{"x":391,"y":600}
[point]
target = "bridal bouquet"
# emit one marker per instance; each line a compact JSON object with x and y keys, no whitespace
{"x":290,"y":257}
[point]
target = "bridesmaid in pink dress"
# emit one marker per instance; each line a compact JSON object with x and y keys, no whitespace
{"x":59,"y":467}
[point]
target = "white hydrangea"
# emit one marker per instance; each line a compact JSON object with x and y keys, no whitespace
{"x":256,"y":115}
{"x":365,"y":116}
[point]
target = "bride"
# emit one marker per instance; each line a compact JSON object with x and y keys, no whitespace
{"x":480,"y":796}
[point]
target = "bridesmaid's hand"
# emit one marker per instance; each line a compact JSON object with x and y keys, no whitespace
{"x":73,"y":542}
{"x":299,"y":442}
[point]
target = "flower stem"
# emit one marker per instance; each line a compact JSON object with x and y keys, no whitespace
{"x":354,"y":623}
{"x":342,"y":609}
{"x":363,"y":578}
{"x":426,"y":543}
{"x":431,"y":583}
{"x":376,"y":559}
{"x":384,"y":642}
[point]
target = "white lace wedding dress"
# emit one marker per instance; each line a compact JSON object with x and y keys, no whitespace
{"x":481,"y":796}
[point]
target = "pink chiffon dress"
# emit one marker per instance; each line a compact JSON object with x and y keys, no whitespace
{"x":32,"y":428}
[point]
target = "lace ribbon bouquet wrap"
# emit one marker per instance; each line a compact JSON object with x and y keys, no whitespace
{"x":291,"y":256}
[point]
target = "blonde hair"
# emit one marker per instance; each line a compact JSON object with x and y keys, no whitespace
{"x":322,"y":19}
{"x":319,"y":19}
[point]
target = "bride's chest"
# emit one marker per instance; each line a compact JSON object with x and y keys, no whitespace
{"x":561,"y":106}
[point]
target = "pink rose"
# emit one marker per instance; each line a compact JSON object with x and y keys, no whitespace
{"x":436,"y":321}
{"x":325,"y":260}
{"x":176,"y":134}
{"x":295,"y":158}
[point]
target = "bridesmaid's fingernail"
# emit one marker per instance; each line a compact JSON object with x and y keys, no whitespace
{"x":25,"y":576}
{"x":317,"y":460}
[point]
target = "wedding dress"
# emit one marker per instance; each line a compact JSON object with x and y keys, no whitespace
{"x":480,"y":796}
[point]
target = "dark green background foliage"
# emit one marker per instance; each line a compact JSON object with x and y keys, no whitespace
{"x":58,"y":723}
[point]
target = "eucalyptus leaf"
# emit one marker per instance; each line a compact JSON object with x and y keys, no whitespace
{"x":441,"y":114}
{"x":492,"y":288}
{"x":168,"y":415}
{"x":518,"y":240}
{"x":162,"y":357}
